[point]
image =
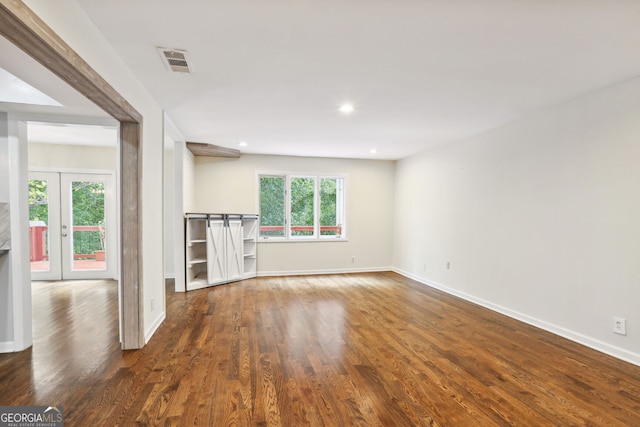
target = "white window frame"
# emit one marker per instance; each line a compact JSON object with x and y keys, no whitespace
{"x":288,"y":221}
{"x":341,"y":207}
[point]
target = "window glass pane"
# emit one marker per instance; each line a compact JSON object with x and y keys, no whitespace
{"x":38,"y":224}
{"x":302,"y":206}
{"x":272,"y":203}
{"x":331,"y":207}
{"x":88,"y":219}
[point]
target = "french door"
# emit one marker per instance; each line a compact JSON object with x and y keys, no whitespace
{"x":72,"y":226}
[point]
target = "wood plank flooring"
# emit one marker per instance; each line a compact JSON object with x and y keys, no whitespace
{"x":338,"y":350}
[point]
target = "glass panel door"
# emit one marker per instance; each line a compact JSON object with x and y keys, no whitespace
{"x":44,"y":225}
{"x":88,"y":226}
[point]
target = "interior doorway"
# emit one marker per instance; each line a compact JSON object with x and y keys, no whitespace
{"x":26,"y":30}
{"x":72,"y":225}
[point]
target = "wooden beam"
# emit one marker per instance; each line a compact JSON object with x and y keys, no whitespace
{"x":210,"y":150}
{"x":29,"y":32}
{"x":130,"y":237}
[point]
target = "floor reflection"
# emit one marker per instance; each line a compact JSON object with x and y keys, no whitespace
{"x":330,"y":326}
{"x":318,"y":322}
{"x":75,"y":328}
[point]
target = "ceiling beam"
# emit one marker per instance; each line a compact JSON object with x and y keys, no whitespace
{"x":26,"y":30}
{"x":210,"y":150}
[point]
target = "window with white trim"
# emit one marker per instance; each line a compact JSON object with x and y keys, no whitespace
{"x":302,"y":207}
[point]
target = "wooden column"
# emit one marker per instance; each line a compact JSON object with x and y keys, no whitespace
{"x":131,"y":236}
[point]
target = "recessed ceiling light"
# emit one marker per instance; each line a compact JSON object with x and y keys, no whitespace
{"x":373,"y":151}
{"x":243,"y":143}
{"x":346,"y":108}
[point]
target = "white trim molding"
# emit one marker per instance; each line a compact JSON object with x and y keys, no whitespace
{"x":318,"y":272}
{"x":587,"y":341}
{"x":154,"y":326}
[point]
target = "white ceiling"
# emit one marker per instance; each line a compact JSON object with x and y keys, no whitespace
{"x":72,"y":134}
{"x":421,"y":73}
{"x":40,"y":94}
{"x":19,"y":64}
{"x":13,"y":90}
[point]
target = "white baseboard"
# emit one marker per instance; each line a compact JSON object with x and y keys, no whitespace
{"x":7,"y":347}
{"x":154,"y":326}
{"x":587,"y":341}
{"x":317,"y":272}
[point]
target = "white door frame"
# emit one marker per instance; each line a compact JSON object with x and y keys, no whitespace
{"x":60,"y":215}
{"x":66,"y":216}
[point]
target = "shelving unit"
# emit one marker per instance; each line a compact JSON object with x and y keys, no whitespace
{"x":250,"y":244}
{"x":220,"y":248}
{"x":196,"y":251}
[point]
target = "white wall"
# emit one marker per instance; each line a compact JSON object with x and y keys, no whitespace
{"x":231,"y":186}
{"x":59,"y":156}
{"x":4,"y":157}
{"x":6,"y":307}
{"x":70,"y":22}
{"x":15,"y":281}
{"x":189,"y":187}
{"x":169,"y":204}
{"x":182,"y":184}
{"x":540,"y":218}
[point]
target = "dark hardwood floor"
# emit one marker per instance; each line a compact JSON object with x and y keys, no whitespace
{"x":338,"y":350}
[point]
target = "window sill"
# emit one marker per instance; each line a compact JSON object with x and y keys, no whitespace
{"x":276,"y":240}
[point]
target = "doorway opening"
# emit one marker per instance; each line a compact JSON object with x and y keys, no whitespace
{"x":27,"y":31}
{"x":72,"y":226}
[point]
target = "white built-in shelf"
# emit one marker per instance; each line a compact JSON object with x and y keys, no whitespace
{"x":202,"y":258}
{"x":198,"y":282}
{"x":196,"y":253}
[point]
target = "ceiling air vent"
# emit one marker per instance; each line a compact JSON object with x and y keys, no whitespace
{"x":176,"y":60}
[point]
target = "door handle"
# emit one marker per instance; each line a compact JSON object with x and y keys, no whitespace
{"x":64,"y":234}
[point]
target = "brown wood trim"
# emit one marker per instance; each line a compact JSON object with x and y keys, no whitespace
{"x":25,"y":29}
{"x":130,"y":237}
{"x":210,"y":150}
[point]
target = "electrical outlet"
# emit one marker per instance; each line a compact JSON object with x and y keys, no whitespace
{"x":353,"y":260}
{"x":620,"y":325}
{"x":424,"y":267}
{"x":153,"y":304}
{"x":448,"y":265}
